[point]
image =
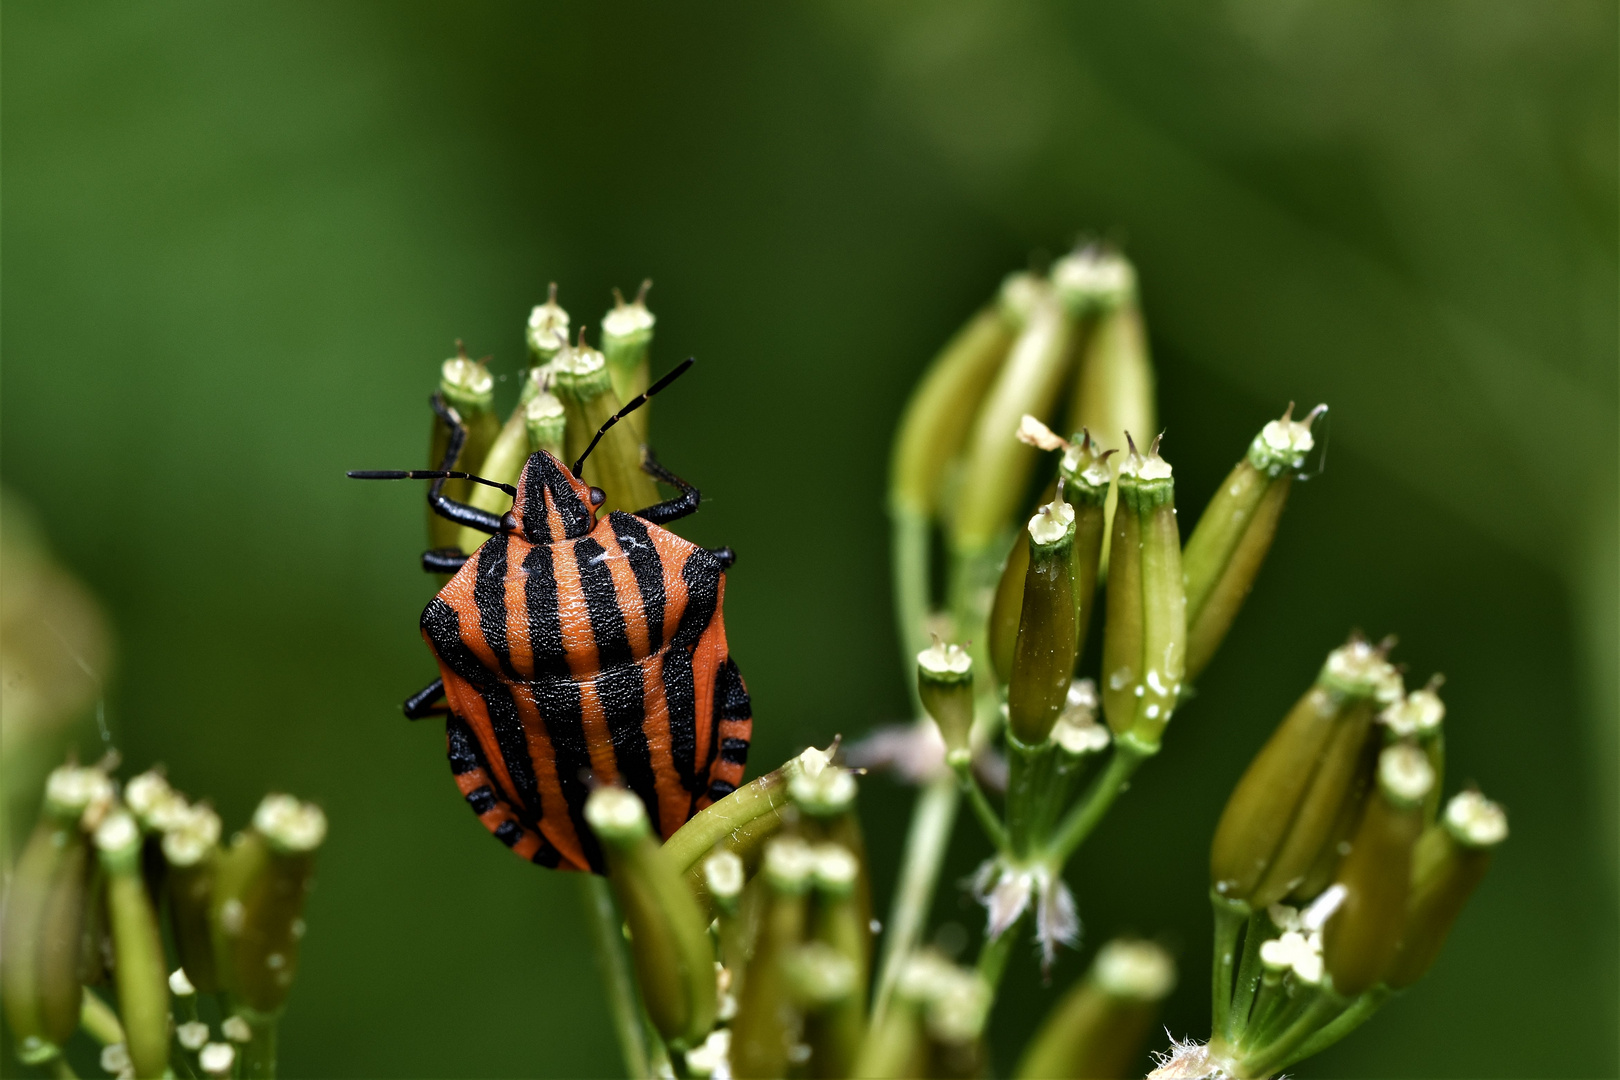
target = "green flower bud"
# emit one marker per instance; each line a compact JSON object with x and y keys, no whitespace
{"x":139,"y":967}
{"x":1234,"y":533}
{"x":586,"y":390}
{"x":1086,"y":477}
{"x":996,"y":466}
{"x":257,"y":910}
{"x":768,"y":1021}
{"x":725,"y":877}
{"x":627,"y":333}
{"x":547,"y":331}
{"x":546,"y":422}
{"x":1450,"y":861}
{"x":1099,"y":1027}
{"x":945,"y":684}
{"x":669,"y":939}
{"x":467,"y":387}
{"x":823,"y":793}
{"x":1043,"y":657}
{"x":1285,"y":807}
{"x":1359,"y":940}
{"x":837,"y":1024}
{"x":156,"y":805}
{"x":1146,"y":627}
{"x":191,"y":848}
{"x":44,"y":916}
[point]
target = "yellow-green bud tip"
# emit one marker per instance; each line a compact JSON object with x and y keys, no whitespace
{"x":1135,"y":970}
{"x":291,"y":826}
{"x":180,"y":983}
{"x":723,"y":873}
{"x":216,"y":1059}
{"x":1283,"y":443}
{"x":71,"y":790}
{"x":944,"y":662}
{"x":616,"y":814}
{"x":118,"y":833}
{"x":830,"y":791}
{"x":959,"y":1007}
{"x":467,"y":377}
{"x":1475,"y":821}
{"x":628,"y":320}
{"x":1051,"y":523}
{"x":1145,"y":467}
{"x":187,"y":840}
{"x":1359,"y":668}
{"x":789,"y":864}
{"x":154,"y":803}
{"x":579,"y":360}
{"x":1418,"y":716}
{"x":1404,"y":774}
{"x":1021,"y":294}
{"x":192,"y":1035}
{"x":1094,"y":276}
{"x":836,"y":869}
{"x":820,"y":974}
{"x":547,"y":331}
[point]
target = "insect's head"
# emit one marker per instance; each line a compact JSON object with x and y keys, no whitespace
{"x":553,"y":504}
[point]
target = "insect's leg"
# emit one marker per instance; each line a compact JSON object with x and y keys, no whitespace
{"x":443,"y":560}
{"x":426,"y":702}
{"x":493,"y":810}
{"x":727,"y":557}
{"x":671,"y":509}
{"x":459,"y":512}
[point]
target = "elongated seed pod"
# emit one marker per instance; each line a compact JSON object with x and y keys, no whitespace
{"x":1359,"y":940}
{"x":1355,"y":681}
{"x":139,"y":969}
{"x":1043,"y":658}
{"x":61,"y":932}
{"x":467,"y":387}
{"x":669,"y":940}
{"x":547,"y":329}
{"x":546,"y":422}
{"x":767,"y":1023}
{"x":1235,"y":531}
{"x":627,"y":333}
{"x":1449,"y":863}
{"x":1144,"y":646}
{"x":586,"y":391}
{"x":834,"y":1032}
{"x":191,"y":849}
{"x":1098,"y":1028}
{"x":945,"y":685}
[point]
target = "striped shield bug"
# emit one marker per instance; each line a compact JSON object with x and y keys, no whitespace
{"x":576,"y":651}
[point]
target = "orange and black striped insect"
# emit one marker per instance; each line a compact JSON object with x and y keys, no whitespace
{"x":574,"y":651}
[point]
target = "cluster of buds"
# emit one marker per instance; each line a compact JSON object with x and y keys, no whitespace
{"x":1335,"y":877}
{"x":566,"y":390}
{"x":105,"y":873}
{"x":750,"y":929}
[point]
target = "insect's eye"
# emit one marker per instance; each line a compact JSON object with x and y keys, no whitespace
{"x":598,"y":496}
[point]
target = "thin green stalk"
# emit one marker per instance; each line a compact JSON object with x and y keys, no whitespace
{"x":1346,"y":1022}
{"x":1077,"y":825}
{"x":62,"y":1070}
{"x":1248,"y":975}
{"x":988,"y":821}
{"x":1229,"y":920}
{"x":931,"y":822}
{"x":994,"y":954}
{"x":1271,"y":1060}
{"x":607,"y":938}
{"x":259,"y":1054}
{"x":909,"y":532}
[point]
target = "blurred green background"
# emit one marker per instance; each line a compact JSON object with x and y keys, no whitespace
{"x":237,"y":239}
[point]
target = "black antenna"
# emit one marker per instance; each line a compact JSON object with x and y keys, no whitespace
{"x":635,"y":403}
{"x":427,"y":474}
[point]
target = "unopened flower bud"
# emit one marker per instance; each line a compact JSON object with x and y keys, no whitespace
{"x":945,"y":683}
{"x":1098,"y":1028}
{"x":767,"y":1024}
{"x":192,"y":1035}
{"x":1043,"y":656}
{"x":828,"y":793}
{"x":958,"y":1008}
{"x":1077,"y":732}
{"x":585,"y":388}
{"x":1285,"y":807}
{"x":1450,"y":861}
{"x":1144,"y":643}
{"x":819,"y":975}
{"x":1359,"y":940}
{"x":44,"y":917}
{"x":996,"y":466}
{"x":1227,"y":547}
{"x":257,"y":907}
{"x":216,"y":1059}
{"x":723,"y":873}
{"x":190,"y":848}
{"x":627,"y":333}
{"x":669,"y":938}
{"x":547,"y":330}
{"x":546,"y":423}
{"x":139,"y":967}
{"x":156,"y":805}
{"x":1420,"y":718}
{"x":467,"y":387}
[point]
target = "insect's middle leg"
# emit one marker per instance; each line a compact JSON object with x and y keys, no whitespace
{"x":449,"y":509}
{"x":428,"y":701}
{"x":443,"y":560}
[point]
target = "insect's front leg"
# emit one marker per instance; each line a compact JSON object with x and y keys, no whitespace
{"x":451,"y":510}
{"x":670,"y":509}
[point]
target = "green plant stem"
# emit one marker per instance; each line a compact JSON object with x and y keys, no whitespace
{"x":1248,"y":975}
{"x":1357,"y":1014}
{"x":909,"y":542}
{"x":930,"y":832}
{"x":1272,"y":1057}
{"x":259,"y":1053}
{"x":1077,"y":825}
{"x":607,"y":939}
{"x":993,"y":956}
{"x":1229,"y":919}
{"x":988,"y":821}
